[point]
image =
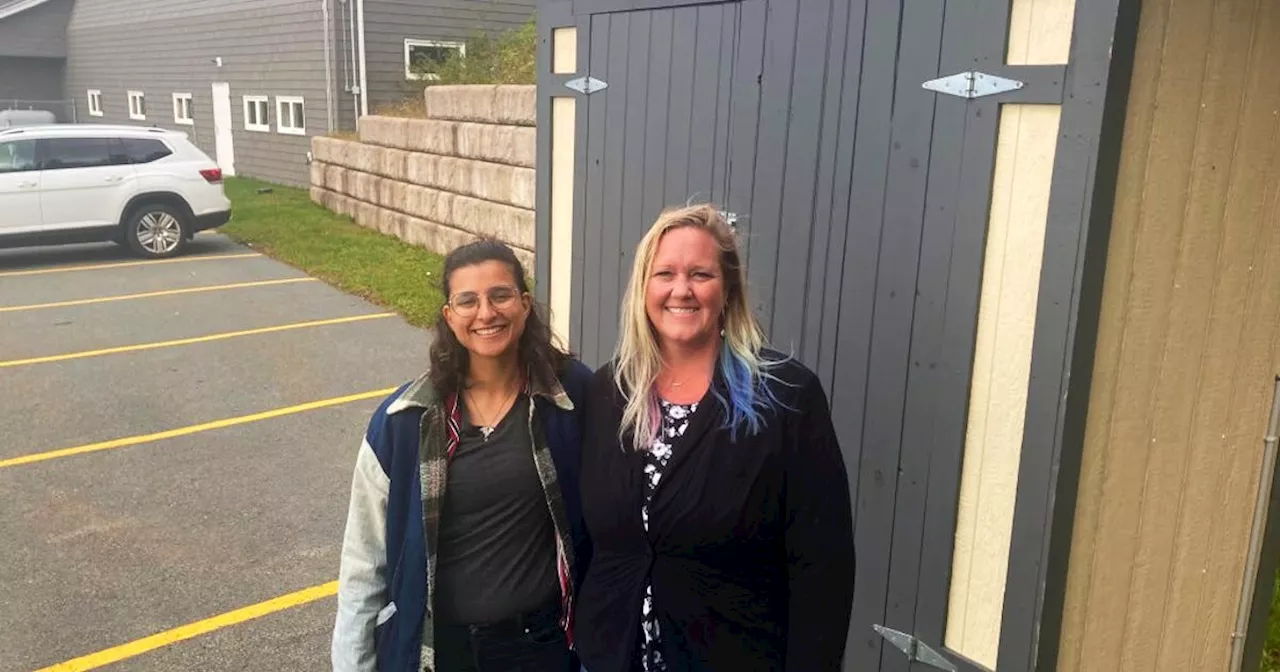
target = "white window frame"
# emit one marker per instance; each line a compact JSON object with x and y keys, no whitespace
{"x":188,"y":120}
{"x":266,"y":105}
{"x":134,"y":114}
{"x":409,"y":43}
{"x":281,"y":117}
{"x":95,"y":102}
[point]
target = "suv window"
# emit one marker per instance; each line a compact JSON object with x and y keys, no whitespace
{"x":64,"y":153}
{"x":18,"y":156}
{"x":144,"y":150}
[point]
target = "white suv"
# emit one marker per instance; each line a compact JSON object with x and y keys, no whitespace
{"x":148,"y":188}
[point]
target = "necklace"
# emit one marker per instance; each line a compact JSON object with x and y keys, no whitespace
{"x":487,"y":428}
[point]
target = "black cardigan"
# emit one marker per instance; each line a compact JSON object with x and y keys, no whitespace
{"x":750,"y":548}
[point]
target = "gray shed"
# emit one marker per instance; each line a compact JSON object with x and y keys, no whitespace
{"x":962,"y":214}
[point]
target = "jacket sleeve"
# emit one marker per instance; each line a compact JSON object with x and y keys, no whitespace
{"x":819,"y":540}
{"x":362,"y":581}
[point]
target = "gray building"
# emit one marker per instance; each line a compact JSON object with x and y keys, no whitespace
{"x":33,"y":52}
{"x":251,"y":82}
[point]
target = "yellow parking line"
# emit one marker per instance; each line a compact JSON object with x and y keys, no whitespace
{"x":150,"y":295}
{"x":192,"y":340}
{"x":116,"y":654}
{"x":125,"y":264}
{"x":192,"y":429}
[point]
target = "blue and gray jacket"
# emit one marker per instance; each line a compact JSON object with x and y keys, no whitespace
{"x":387,"y":572}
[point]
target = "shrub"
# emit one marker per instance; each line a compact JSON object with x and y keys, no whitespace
{"x":510,"y":57}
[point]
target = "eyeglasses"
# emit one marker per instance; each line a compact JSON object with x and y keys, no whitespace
{"x":466,"y":304}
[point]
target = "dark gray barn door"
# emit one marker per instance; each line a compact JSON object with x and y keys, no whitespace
{"x":658,"y":136}
{"x":862,"y":201}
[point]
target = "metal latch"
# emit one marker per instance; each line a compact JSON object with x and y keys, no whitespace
{"x":586,"y":85}
{"x":972,"y":84}
{"x":915,"y":649}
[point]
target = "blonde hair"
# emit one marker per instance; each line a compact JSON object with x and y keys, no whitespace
{"x":638,"y":360}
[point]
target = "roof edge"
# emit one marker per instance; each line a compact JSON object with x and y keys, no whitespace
{"x":19,"y":6}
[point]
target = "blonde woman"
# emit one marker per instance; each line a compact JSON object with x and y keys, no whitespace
{"x":712,"y":481}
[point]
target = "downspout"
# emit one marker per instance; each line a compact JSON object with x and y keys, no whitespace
{"x":351,"y":60}
{"x":364,"y":70}
{"x":1261,"y":501}
{"x":328,"y":63}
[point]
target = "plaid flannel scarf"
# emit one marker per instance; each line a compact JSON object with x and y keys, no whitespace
{"x":441,"y":430}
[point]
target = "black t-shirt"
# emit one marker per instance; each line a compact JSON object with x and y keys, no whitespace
{"x":497,"y":548}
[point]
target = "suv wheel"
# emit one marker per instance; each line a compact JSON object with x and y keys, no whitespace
{"x":156,"y":231}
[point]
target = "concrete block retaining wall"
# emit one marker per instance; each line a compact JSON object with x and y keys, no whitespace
{"x":464,"y":172}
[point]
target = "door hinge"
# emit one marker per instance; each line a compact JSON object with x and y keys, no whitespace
{"x":972,"y":84}
{"x":915,"y":649}
{"x":586,"y":85}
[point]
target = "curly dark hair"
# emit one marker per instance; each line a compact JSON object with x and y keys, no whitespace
{"x":449,"y":359}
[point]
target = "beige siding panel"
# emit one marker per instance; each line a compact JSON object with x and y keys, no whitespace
{"x":563,"y":114}
{"x":1040,"y":31}
{"x":1025,"y":151}
{"x":564,"y":58}
{"x":1186,"y":347}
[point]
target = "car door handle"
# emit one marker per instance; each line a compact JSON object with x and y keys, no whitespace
{"x":115,"y":178}
{"x":26,"y":185}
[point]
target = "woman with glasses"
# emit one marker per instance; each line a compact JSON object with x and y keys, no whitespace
{"x":464,"y":541}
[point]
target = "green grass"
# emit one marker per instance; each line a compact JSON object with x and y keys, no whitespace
{"x":287,"y":226}
{"x":1271,"y":650}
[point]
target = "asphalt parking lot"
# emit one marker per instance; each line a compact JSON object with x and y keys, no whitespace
{"x":178,"y":439}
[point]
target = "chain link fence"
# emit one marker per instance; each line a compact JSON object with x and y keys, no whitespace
{"x":66,"y":111}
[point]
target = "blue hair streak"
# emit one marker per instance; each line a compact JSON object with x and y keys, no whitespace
{"x":750,"y":396}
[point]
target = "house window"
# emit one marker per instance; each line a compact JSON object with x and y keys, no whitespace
{"x":256,"y":114}
{"x":423,"y":57}
{"x":289,"y":115}
{"x":95,"y":103}
{"x":137,"y":106}
{"x":182,"y":109}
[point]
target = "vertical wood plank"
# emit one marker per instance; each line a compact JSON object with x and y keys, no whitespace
{"x":936,"y":382}
{"x":656,"y":115}
{"x":1257,"y":364}
{"x":594,"y":223}
{"x":680,"y":110}
{"x":1159,"y":225}
{"x":640,"y":55}
{"x":612,"y":258}
{"x":795,"y":223}
{"x":744,"y":116}
{"x":1238,"y":224}
{"x":771,"y":148}
{"x":1179,"y":389}
{"x":730,"y":23}
{"x":899,"y":304}
{"x":874,"y":471}
{"x":831,"y":199}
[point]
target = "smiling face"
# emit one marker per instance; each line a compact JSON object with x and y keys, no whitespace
{"x":685,"y":292}
{"x":486,"y":310}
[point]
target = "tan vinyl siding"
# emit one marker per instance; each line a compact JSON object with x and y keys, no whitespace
{"x":389,"y":22}
{"x":271,"y":48}
{"x":1187,"y":347}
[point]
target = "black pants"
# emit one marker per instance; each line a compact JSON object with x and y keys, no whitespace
{"x":531,"y":642}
